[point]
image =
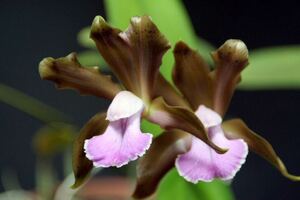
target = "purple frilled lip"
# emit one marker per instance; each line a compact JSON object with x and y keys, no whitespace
{"x":202,"y":163}
{"x":123,"y":140}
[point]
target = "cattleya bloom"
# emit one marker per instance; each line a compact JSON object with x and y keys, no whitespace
{"x":114,"y":138}
{"x":208,"y":93}
{"x":196,"y":140}
{"x":208,"y":165}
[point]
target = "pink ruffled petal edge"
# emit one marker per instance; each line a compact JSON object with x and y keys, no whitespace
{"x":114,"y":148}
{"x":202,"y":163}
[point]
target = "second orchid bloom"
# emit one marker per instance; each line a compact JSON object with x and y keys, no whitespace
{"x":196,"y":140}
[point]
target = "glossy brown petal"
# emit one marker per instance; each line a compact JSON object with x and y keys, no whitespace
{"x":230,"y":59}
{"x":81,"y":165}
{"x":175,"y":117}
{"x":115,"y":50}
{"x":191,"y":76}
{"x":158,"y":160}
{"x":236,"y":128}
{"x":67,"y":72}
{"x":168,"y":92}
{"x":135,"y":54}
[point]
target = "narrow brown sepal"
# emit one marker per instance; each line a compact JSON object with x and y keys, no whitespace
{"x":176,"y":117}
{"x":237,"y":129}
{"x":158,"y":160}
{"x":81,"y":165}
{"x":230,"y":59}
{"x":68,"y":73}
{"x":191,"y":76}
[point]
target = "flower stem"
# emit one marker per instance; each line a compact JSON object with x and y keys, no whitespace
{"x":30,"y":105}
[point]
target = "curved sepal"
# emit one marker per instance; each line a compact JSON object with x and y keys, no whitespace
{"x":175,"y":117}
{"x":164,"y":89}
{"x":237,"y":129}
{"x":81,"y":165}
{"x":134,"y":55}
{"x":115,"y":51}
{"x":159,"y":159}
{"x":191,"y":73}
{"x":230,"y":59}
{"x":67,"y":72}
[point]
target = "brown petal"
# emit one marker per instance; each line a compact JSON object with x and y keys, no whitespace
{"x":191,"y":76}
{"x":175,"y":117}
{"x":67,"y":72}
{"x":168,"y":92}
{"x":236,"y":128}
{"x":230,"y":59}
{"x":134,"y":55}
{"x":115,"y":51}
{"x":81,"y":165}
{"x":158,"y":160}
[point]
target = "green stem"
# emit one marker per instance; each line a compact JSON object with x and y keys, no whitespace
{"x":30,"y":105}
{"x":46,"y":178}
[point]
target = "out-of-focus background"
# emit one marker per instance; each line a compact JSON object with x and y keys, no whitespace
{"x":34,"y":29}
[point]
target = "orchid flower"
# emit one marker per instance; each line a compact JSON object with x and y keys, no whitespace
{"x":114,"y":138}
{"x":209,"y":94}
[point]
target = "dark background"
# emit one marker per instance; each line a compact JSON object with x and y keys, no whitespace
{"x":33,"y":29}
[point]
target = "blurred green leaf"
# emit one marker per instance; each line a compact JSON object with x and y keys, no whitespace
{"x":119,"y":12}
{"x":176,"y":188}
{"x":149,"y":127}
{"x":84,"y":39}
{"x":30,"y":105}
{"x":273,"y":68}
{"x":169,"y":15}
{"x":92,"y":58}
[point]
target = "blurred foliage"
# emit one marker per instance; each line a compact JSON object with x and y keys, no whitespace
{"x":30,"y":105}
{"x":53,"y":138}
{"x":149,"y":127}
{"x":175,"y":187}
{"x":92,"y":58}
{"x":84,"y":39}
{"x":273,"y":68}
